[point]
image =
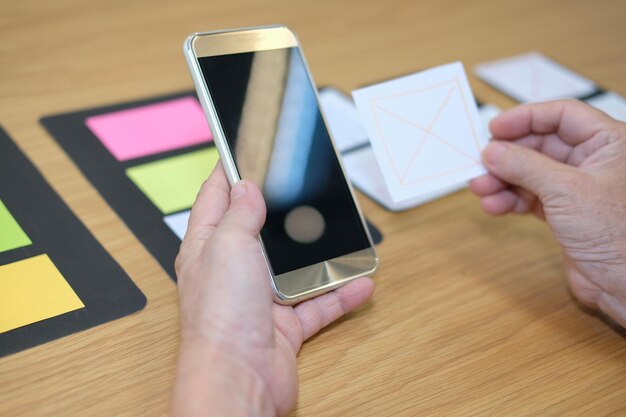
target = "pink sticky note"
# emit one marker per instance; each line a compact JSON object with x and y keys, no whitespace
{"x":151,"y":129}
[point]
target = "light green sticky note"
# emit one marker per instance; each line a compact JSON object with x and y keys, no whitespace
{"x":11,"y":234}
{"x":173,"y":183}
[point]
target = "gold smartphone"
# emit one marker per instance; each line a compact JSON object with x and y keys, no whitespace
{"x":263,"y":110}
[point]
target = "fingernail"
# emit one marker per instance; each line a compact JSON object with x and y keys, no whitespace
{"x":239,"y":189}
{"x":494,"y":152}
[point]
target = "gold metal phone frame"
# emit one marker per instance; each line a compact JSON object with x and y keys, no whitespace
{"x":294,"y":286}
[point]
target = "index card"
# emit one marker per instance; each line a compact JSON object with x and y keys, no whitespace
{"x":425,"y":130}
{"x":532,"y":77}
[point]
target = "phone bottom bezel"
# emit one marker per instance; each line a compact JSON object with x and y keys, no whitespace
{"x":304,"y":283}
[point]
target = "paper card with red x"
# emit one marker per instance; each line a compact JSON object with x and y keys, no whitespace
{"x":425,"y":130}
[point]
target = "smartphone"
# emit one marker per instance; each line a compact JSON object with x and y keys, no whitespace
{"x":262,"y":106}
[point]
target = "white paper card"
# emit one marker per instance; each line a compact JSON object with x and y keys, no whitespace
{"x":178,"y":223}
{"x":360,"y":163}
{"x":532,"y":77}
{"x":425,"y":130}
{"x":366,"y":176}
{"x":611,"y":103}
{"x":363,"y":171}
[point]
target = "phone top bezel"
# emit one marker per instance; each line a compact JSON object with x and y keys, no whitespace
{"x":312,"y":280}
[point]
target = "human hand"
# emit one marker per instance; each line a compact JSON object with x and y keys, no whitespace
{"x":565,"y":162}
{"x":238,"y":349}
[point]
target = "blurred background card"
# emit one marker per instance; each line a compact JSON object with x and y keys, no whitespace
{"x":533,"y":77}
{"x":611,"y":103}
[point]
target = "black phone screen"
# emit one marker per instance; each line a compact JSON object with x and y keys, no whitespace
{"x":268,"y":110}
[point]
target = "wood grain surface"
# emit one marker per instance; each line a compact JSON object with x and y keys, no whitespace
{"x":471,"y":314}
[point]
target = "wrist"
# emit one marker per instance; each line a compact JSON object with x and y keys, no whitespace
{"x":211,"y":381}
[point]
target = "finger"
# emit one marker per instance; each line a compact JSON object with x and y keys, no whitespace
{"x":548,"y":144}
{"x":513,"y":200}
{"x":246,"y":212}
{"x":582,"y":152}
{"x":500,"y":203}
{"x":319,"y":312}
{"x":527,"y":202}
{"x":572,"y":120}
{"x":487,"y":185}
{"x":526,"y":168}
{"x":210,"y":205}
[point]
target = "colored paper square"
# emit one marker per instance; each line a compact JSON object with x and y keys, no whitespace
{"x":151,"y":129}
{"x":11,"y":234}
{"x":173,"y":183}
{"x":32,"y":290}
{"x":178,"y":223}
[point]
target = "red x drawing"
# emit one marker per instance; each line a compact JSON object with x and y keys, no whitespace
{"x":442,"y":131}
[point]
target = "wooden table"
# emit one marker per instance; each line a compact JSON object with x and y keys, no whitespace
{"x":471,"y":315}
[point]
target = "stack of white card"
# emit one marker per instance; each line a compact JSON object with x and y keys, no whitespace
{"x":425,"y":131}
{"x":533,"y":77}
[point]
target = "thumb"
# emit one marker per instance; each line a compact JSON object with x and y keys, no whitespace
{"x":525,"y":167}
{"x":246,"y":212}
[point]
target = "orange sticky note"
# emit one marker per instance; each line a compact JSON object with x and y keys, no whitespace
{"x":32,"y":290}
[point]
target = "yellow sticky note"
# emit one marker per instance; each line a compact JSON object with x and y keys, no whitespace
{"x":32,"y":290}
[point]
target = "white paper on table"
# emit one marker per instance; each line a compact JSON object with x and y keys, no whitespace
{"x":611,"y":103}
{"x":425,"y":130}
{"x":533,"y":77}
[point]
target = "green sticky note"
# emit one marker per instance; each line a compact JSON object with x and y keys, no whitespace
{"x":173,"y":183}
{"x":11,"y":234}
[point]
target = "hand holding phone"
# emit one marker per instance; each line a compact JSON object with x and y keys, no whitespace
{"x":238,"y":348}
{"x":263,"y":110}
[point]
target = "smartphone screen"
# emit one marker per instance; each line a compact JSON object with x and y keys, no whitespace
{"x":267,"y":107}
